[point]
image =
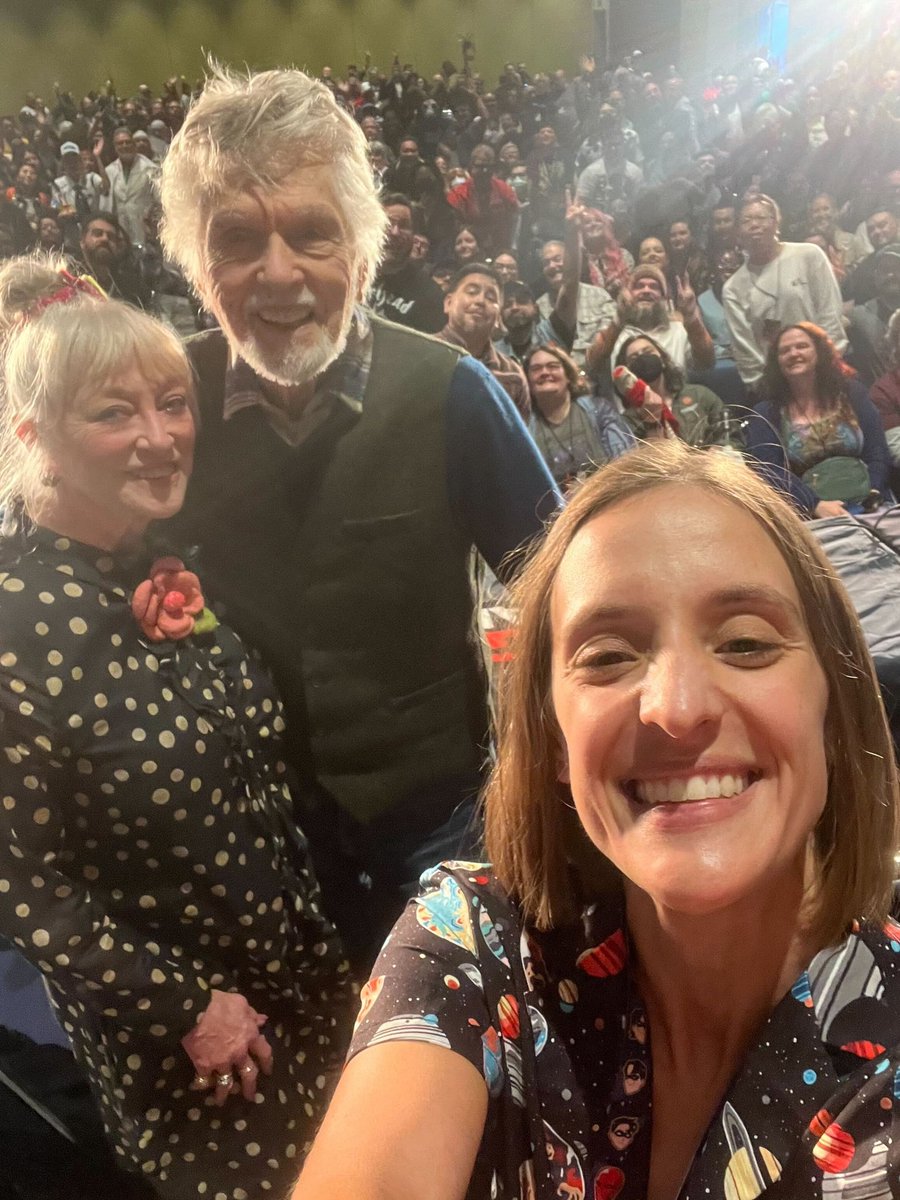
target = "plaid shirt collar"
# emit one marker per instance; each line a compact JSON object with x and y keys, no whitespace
{"x":344,"y":381}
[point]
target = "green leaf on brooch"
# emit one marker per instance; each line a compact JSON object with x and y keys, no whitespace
{"x":206,"y":622}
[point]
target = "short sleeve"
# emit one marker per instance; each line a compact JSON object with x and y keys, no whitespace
{"x":428,"y":983}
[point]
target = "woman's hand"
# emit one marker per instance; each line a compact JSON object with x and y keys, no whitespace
{"x":830,"y":508}
{"x":227,"y":1048}
{"x":652,"y":404}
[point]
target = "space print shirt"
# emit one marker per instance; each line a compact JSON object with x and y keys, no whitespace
{"x":555,"y":1025}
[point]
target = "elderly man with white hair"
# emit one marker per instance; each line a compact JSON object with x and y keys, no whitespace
{"x":345,"y":471}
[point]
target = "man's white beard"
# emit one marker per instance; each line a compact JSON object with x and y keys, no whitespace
{"x":311,"y":349}
{"x":299,"y":363}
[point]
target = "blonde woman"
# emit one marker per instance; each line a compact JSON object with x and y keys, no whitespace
{"x":149,"y":861}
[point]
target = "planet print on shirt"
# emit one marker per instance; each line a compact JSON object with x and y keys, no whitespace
{"x":491,"y":1059}
{"x":749,"y":1172}
{"x":539,"y":1029}
{"x":446,"y":914}
{"x":606,"y":959}
{"x":411,"y":1027}
{"x":508,"y":1015}
{"x":367,"y":997}
{"x":568,"y":995}
{"x":868,"y":1181}
{"x":472,"y":974}
{"x":492,"y":937}
{"x":608,"y":1182}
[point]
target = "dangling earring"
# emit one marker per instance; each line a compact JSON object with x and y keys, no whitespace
{"x":49,"y":480}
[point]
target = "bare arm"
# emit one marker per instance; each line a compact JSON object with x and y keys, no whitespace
{"x":379,"y":1139}
{"x":703,"y":352}
{"x":99,"y":166}
{"x":602,"y":346}
{"x":567,"y":301}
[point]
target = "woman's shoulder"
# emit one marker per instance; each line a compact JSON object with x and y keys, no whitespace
{"x":43,"y":583}
{"x":457,"y":885}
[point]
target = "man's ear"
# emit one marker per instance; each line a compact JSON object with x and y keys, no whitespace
{"x":447,"y":304}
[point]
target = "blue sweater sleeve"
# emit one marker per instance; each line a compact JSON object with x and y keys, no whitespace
{"x":769,"y":457}
{"x":500,"y":490}
{"x":875,"y":451}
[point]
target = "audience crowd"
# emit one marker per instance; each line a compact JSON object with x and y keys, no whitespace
{"x":606,"y":203}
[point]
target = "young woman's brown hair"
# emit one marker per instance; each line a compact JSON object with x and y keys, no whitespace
{"x":531,"y":831}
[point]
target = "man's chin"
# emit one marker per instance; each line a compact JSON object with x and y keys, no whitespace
{"x":298,"y":364}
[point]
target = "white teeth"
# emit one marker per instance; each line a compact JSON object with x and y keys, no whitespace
{"x":284,"y":316}
{"x":697,"y":787}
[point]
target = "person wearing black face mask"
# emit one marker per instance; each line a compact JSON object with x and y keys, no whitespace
{"x":699,"y":414}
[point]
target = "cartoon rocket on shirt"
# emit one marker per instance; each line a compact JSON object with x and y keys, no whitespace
{"x":749,"y":1172}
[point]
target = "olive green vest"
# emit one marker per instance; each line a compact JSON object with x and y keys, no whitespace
{"x":340,"y":560}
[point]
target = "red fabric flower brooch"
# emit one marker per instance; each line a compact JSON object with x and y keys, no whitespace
{"x":169,"y":605}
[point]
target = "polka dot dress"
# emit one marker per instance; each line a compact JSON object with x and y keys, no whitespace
{"x":147,"y":855}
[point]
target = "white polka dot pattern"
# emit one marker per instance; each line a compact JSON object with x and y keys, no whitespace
{"x":148,"y":854}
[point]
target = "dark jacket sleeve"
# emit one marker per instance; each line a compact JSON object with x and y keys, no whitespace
{"x":885,"y":395}
{"x":875,"y":451}
{"x":501,"y":492}
{"x":768,"y":456}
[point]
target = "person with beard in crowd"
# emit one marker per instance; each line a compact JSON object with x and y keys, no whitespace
{"x":869,"y":322}
{"x":780,"y":284}
{"x":345,"y":471}
{"x":402,"y":291}
{"x":524,"y":325}
{"x":472,"y":306}
{"x":105,"y":254}
{"x":722,"y":233}
{"x":643,"y":308}
{"x":485,"y":203}
{"x":668,"y":403}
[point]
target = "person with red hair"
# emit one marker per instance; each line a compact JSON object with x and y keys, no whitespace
{"x":817,"y":436}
